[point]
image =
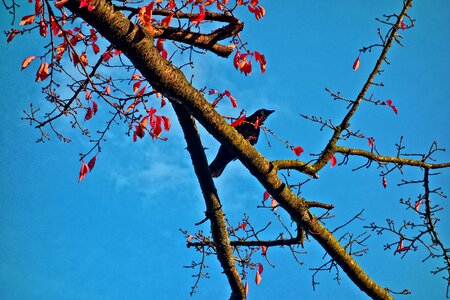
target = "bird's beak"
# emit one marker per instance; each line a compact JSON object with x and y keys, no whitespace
{"x":270,"y":111}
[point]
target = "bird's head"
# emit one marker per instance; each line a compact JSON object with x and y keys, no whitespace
{"x":261,"y":115}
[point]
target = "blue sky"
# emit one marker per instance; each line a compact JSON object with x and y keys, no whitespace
{"x":115,"y":235}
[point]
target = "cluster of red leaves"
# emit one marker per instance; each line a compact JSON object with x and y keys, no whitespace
{"x":90,"y":112}
{"x":220,"y":96}
{"x":155,"y":123}
{"x":256,"y":9}
{"x":245,"y":66}
{"x":85,"y":168}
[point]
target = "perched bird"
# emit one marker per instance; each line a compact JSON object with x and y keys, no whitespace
{"x":249,"y":130}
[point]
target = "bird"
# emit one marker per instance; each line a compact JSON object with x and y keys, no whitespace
{"x":249,"y":129}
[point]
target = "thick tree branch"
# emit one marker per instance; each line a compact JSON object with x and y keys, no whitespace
{"x":213,"y":207}
{"x":137,"y":45}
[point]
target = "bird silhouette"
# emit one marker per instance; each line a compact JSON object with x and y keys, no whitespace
{"x":249,"y":129}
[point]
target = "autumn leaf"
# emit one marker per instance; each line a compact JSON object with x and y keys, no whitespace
{"x":60,"y":3}
{"x":42,"y":73}
{"x":190,"y":238}
{"x":239,"y":121}
{"x":26,"y":62}
{"x":166,"y":122}
{"x":89,"y":114}
{"x":94,"y":107}
{"x":243,"y":226}
{"x":88,"y":4}
{"x":136,"y":86}
{"x":27,"y":20}
{"x":370,"y":141}
{"x":12,"y":35}
{"x":333,"y":160}
{"x":200,"y":17}
{"x":417,"y":205}
{"x":83,"y":171}
{"x":298,"y":150}
{"x":95,"y":48}
{"x":43,"y":29}
{"x":356,"y":64}
{"x":167,"y":20}
{"x":261,"y":59}
{"x":266,"y":195}
{"x":263,"y":250}
{"x":258,"y":278}
{"x":246,"y":288}
{"x":91,"y":163}
{"x":384,"y":182}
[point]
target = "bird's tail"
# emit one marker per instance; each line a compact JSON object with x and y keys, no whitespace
{"x":216,"y":167}
{"x":223,"y":158}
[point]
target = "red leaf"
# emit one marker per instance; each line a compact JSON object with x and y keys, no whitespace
{"x":394,"y":109}
{"x":89,"y":114}
{"x":258,"y":278}
{"x":88,"y":4}
{"x":260,"y":268}
{"x":356,"y":64}
{"x":298,"y":150}
{"x":236,"y":59}
{"x":167,"y":20}
{"x":27,"y":20}
{"x":26,"y":62}
{"x":233,"y":101}
{"x":246,"y":288}
{"x":370,"y":141}
{"x":94,"y":107}
{"x":60,"y":3}
{"x":43,"y":29}
{"x":42,"y":73}
{"x":211,"y":92}
{"x":83,"y":171}
{"x":389,"y":102}
{"x":261,"y":59}
{"x":266,"y":195}
{"x":200,"y":17}
{"x":12,"y":35}
{"x":239,"y":121}
{"x":403,"y":25}
{"x":384,"y":182}
{"x":400,"y":247}
{"x":333,"y":160}
{"x":417,"y":205}
{"x":136,"y":86}
{"x":108,"y":90}
{"x":243,"y":225}
{"x":263,"y":250}
{"x":91,"y":163}
{"x":95,"y":48}
{"x":166,"y":123}
{"x":136,"y":76}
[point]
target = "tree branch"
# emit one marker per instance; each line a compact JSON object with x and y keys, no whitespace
{"x":213,"y":207}
{"x":390,"y":159}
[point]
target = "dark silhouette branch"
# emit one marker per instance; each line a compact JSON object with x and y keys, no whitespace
{"x":213,"y":207}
